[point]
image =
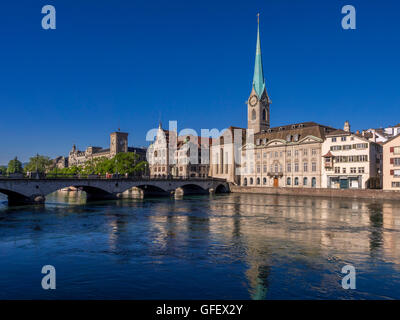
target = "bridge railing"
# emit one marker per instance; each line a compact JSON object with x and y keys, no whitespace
{"x":52,"y":176}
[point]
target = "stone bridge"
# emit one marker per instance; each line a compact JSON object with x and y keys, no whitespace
{"x":30,"y":191}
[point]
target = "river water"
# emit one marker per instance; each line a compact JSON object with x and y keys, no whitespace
{"x":234,"y":246}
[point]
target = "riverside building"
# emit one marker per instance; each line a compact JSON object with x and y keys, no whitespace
{"x":391,"y":164}
{"x":350,"y":160}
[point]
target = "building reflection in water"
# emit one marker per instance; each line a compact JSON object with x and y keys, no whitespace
{"x":309,"y":229}
{"x":257,"y":230}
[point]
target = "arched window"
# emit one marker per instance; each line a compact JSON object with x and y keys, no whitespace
{"x":264,"y":181}
{"x":258,"y":180}
{"x":253,"y":115}
{"x":155,"y":154}
{"x":313,"y":182}
{"x":296,"y":181}
{"x":289,"y":181}
{"x":305,"y":181}
{"x":264,"y":114}
{"x":251,"y":180}
{"x":245,"y":182}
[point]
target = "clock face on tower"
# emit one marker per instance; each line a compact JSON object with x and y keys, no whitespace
{"x":253,"y":101}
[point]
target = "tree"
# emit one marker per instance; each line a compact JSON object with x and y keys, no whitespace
{"x":38,"y":163}
{"x":3,"y":170}
{"x":14,"y":166}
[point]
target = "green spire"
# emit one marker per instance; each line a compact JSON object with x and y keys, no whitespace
{"x":258,"y":78}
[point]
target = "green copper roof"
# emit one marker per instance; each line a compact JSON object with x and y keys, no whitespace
{"x":258,"y":78}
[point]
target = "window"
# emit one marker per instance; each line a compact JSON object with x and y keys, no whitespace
{"x":265,"y":168}
{"x":396,"y":161}
{"x":289,"y":167}
{"x":276,"y":167}
{"x":396,"y":184}
{"x":296,"y":167}
{"x":305,"y":152}
{"x":343,"y":138}
{"x":245,"y":182}
{"x":337,"y":169}
{"x":396,"y":173}
{"x":296,"y":181}
{"x":289,"y":138}
{"x":305,"y":166}
{"x":276,"y":154}
{"x":289,"y":153}
{"x":396,"y":150}
{"x":296,"y":153}
{"x":264,"y":181}
{"x":251,"y":180}
{"x":361,"y":170}
{"x":264,"y":115}
{"x":314,"y":166}
{"x":296,"y":137}
{"x":258,"y":168}
{"x":265,"y":155}
{"x":353,"y":170}
{"x":305,"y":181}
{"x":288,"y":181}
{"x":258,"y":181}
{"x":336,"y":148}
{"x":360,"y":146}
{"x":343,"y":170}
{"x":253,"y":115}
{"x":334,"y":139}
{"x":314,"y":152}
{"x":258,"y":156}
{"x":347,"y":147}
{"x":313,"y":182}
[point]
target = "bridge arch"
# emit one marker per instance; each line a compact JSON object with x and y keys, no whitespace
{"x":221,"y":188}
{"x":15,"y":197}
{"x":152,"y":190}
{"x":192,"y":188}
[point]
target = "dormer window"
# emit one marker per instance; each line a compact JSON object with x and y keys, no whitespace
{"x":294,"y":126}
{"x":296,"y":137}
{"x":269,"y":130}
{"x":289,"y":138}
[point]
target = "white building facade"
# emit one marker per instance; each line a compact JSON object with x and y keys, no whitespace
{"x":350,"y":161}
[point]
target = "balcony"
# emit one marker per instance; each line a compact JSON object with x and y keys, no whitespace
{"x":274,"y":174}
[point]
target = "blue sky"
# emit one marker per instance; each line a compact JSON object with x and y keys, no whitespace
{"x":113,"y":64}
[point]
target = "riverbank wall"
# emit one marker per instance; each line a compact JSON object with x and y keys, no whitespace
{"x":321,"y":192}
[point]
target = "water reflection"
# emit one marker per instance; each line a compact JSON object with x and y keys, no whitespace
{"x":232,"y":246}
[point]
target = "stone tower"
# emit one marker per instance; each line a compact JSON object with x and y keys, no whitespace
{"x":346,"y":126}
{"x":118,"y":142}
{"x":258,"y":102}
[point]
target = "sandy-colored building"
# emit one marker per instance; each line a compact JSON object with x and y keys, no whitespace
{"x":225,"y":154}
{"x":391,"y":164}
{"x":285,"y":156}
{"x":185,"y":156}
{"x":118,"y":143}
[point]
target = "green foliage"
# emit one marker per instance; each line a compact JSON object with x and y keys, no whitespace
{"x":14,"y":166}
{"x":39,"y":163}
{"x":3,"y":170}
{"x":122,"y":163}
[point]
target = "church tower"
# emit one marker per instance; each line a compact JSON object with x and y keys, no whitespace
{"x":258,"y":102}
